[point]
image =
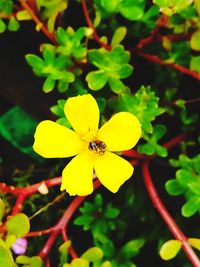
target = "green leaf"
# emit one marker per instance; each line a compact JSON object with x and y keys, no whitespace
{"x":79,"y":263}
{"x":159,"y":131}
{"x":96,"y":80}
{"x":23,"y":15}
{"x":106,"y":264}
{"x":174,"y":188}
{"x":191,"y":207}
{"x":195,"y":187}
{"x":131,"y":249}
{"x":2,"y":26}
{"x":112,"y":67}
{"x":84,"y":220}
{"x":119,"y":35}
{"x":131,"y":11}
{"x":13,"y":24}
{"x":197,"y":6}
{"x":10,"y":240}
{"x":184,"y":177}
{"x":147,"y":149}
{"x":124,"y":71}
{"x":18,"y":225}
{"x":6,"y":258}
{"x":111,"y":213}
{"x":63,"y":249}
{"x":161,"y":151}
{"x":62,"y":86}
{"x":62,"y":36}
{"x":93,"y":254}
{"x":180,"y":103}
{"x":2,"y":209}
{"x":170,"y":249}
{"x":110,"y":6}
{"x":98,"y":200}
{"x":195,"y":63}
{"x":22,"y":259}
{"x":11,"y":125}
{"x":63,"y":121}
{"x":35,"y":61}
{"x":57,"y":110}
{"x":195,"y":41}
{"x":103,"y":242}
{"x":116,"y":85}
{"x":48,"y":85}
{"x":36,"y":261}
{"x":49,"y":56}
{"x":170,"y":7}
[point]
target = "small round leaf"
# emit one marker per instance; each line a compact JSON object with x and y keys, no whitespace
{"x":170,"y":249}
{"x":18,"y":225}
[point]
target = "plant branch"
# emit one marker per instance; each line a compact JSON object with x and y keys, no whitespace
{"x":158,"y":60}
{"x":39,"y":24}
{"x":90,"y":24}
{"x":155,"y":37}
{"x":62,"y":223}
{"x":173,"y":227}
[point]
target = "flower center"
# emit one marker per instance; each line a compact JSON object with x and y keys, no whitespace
{"x":98,"y":146}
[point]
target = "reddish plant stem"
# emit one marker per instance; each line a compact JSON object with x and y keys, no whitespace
{"x":175,"y":141}
{"x":43,"y":28}
{"x":62,"y":223}
{"x":155,"y":37}
{"x":189,"y":101}
{"x":71,"y":250}
{"x":23,"y":193}
{"x":173,"y":227}
{"x":157,"y":60}
{"x":18,"y":204}
{"x":90,"y":24}
{"x":31,"y":189}
{"x":39,"y":233}
{"x":47,"y":263}
{"x":7,"y":16}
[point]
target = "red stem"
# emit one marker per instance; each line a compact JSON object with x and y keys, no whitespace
{"x":157,"y":60}
{"x":155,"y":37}
{"x":175,"y":141}
{"x":90,"y":24}
{"x":31,"y":189}
{"x":62,"y":224}
{"x":173,"y":227}
{"x":43,"y":28}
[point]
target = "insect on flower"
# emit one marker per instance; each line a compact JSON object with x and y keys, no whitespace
{"x":92,"y":147}
{"x":98,"y":146}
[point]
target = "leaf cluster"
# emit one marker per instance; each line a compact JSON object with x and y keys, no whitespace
{"x":186,"y":183}
{"x":6,"y":8}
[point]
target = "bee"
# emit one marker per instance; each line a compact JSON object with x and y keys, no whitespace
{"x":98,"y":146}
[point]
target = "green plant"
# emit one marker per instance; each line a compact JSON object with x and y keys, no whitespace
{"x":103,"y":62}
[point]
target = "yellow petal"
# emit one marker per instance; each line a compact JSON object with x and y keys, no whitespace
{"x":53,"y":140}
{"x":77,"y":175}
{"x":112,"y":170}
{"x":83,"y":114}
{"x":121,"y":132}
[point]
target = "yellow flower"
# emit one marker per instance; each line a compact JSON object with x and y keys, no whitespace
{"x":92,"y":147}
